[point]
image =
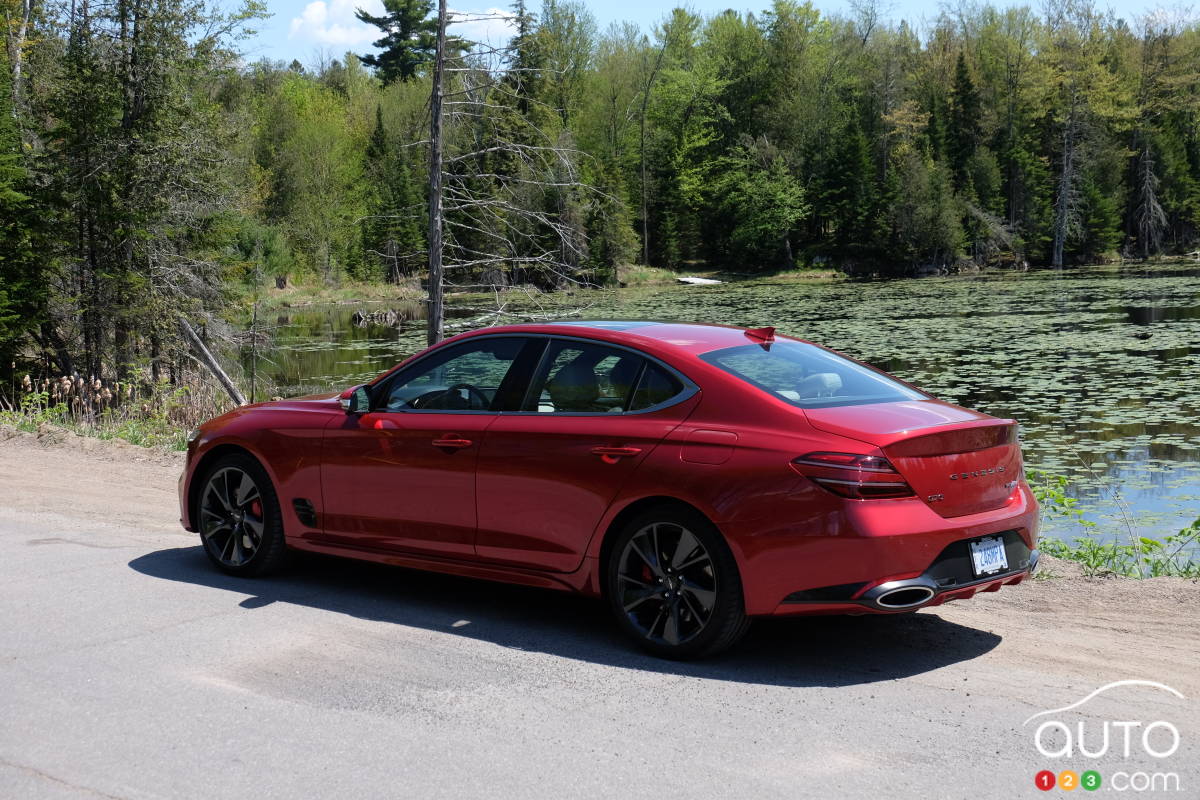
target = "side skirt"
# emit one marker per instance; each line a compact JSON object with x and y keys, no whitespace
{"x":577,"y":581}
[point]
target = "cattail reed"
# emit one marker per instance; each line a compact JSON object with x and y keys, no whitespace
{"x":141,"y":411}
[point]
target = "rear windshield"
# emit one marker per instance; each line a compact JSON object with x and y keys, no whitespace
{"x":807,"y":376}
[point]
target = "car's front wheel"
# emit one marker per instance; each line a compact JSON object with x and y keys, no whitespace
{"x":673,"y":585}
{"x":239,"y":520}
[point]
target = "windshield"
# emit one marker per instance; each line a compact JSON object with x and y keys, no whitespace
{"x":807,"y":376}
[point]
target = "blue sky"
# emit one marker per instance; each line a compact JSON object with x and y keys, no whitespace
{"x":306,"y":29}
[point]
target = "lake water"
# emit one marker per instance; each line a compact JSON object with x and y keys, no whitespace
{"x":1101,"y":365}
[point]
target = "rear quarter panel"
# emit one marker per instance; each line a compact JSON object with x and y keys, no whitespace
{"x":730,"y":460}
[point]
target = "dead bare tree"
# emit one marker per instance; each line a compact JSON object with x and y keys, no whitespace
{"x":506,"y":197}
{"x":1161,"y":68}
{"x":210,"y":362}
{"x":16,"y":33}
{"x":646,"y":90}
{"x":436,"y":310}
{"x":1149,"y":216}
{"x":1086,"y":100}
{"x":1067,"y":195}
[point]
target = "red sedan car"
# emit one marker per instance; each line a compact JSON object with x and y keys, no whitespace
{"x":694,"y":476}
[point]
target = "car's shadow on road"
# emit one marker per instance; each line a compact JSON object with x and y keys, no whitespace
{"x":815,"y":651}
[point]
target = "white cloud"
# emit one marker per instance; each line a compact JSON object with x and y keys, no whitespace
{"x":332,"y":22}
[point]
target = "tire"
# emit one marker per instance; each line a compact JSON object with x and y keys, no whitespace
{"x":673,"y":585}
{"x":237,"y":511}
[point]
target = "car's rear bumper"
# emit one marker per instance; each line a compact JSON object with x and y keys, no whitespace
{"x":928,"y":589}
{"x":839,"y":565}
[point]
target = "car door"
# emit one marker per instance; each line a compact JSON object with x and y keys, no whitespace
{"x":548,"y":472}
{"x":402,"y":476}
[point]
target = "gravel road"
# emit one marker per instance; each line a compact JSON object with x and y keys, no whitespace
{"x":129,"y":668}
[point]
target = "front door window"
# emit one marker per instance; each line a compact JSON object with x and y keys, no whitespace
{"x":468,"y":377}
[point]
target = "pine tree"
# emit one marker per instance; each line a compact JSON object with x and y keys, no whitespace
{"x":1099,"y":229}
{"x":134,"y":165}
{"x":851,"y":193}
{"x":523,"y":80}
{"x":410,"y":37}
{"x":965,"y":128}
{"x":392,"y":231}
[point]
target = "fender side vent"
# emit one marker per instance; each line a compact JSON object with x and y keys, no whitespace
{"x":305,"y":512}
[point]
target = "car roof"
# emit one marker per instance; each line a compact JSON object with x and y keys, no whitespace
{"x":692,"y":337}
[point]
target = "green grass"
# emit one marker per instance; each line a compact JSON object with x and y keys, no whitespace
{"x":795,"y":275}
{"x":145,"y":433}
{"x":636,"y":275}
{"x":639,"y":275}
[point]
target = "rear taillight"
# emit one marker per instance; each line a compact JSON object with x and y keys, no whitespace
{"x":858,"y":477}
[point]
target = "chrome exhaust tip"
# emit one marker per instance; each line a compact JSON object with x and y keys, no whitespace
{"x":901,"y":595}
{"x":905,"y":597}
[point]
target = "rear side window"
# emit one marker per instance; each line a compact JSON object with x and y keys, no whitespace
{"x":656,"y":386}
{"x":807,"y":376}
{"x":587,"y":378}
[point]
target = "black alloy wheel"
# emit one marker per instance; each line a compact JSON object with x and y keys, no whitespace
{"x":674,"y":587}
{"x":239,"y":517}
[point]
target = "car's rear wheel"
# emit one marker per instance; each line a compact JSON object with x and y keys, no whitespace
{"x":238,"y":516}
{"x":673,"y":585}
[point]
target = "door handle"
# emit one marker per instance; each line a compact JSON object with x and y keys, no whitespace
{"x":452,"y":442}
{"x":611,"y":455}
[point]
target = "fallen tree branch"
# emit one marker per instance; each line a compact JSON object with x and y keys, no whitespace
{"x":206,"y":358}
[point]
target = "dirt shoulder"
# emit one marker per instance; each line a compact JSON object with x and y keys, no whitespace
{"x":1061,"y":622}
{"x":60,"y":472}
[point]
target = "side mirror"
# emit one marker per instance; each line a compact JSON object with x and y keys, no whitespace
{"x":355,"y":400}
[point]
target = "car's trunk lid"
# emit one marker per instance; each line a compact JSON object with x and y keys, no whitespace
{"x":957,"y":460}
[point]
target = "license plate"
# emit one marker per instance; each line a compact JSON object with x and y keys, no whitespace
{"x":988,"y":556}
